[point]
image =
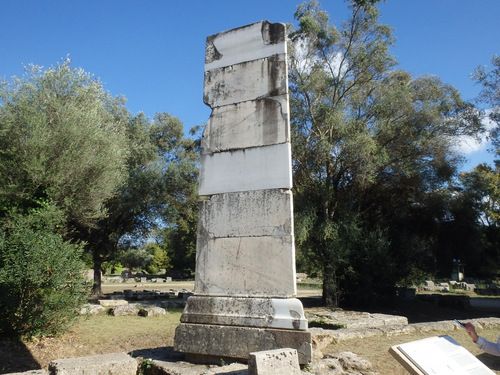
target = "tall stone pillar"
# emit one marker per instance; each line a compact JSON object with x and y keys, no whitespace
{"x":245,"y":264}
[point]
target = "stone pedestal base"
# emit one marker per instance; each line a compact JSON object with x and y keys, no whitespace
{"x":285,"y":313}
{"x":205,"y":343}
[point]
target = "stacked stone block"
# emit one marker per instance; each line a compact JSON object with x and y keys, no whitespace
{"x":245,"y":267}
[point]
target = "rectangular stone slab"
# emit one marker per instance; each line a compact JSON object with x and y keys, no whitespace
{"x":285,"y":313}
{"x":250,"y":42}
{"x":245,"y":267}
{"x":255,"y":123}
{"x":274,"y":362}
{"x":100,"y":364}
{"x":247,"y":213}
{"x":248,"y":169}
{"x":246,"y":81}
{"x":239,"y":342}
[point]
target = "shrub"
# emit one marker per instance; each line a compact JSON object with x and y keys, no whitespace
{"x":42,"y":282}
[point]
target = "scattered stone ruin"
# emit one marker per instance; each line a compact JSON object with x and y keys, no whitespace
{"x":245,"y":285}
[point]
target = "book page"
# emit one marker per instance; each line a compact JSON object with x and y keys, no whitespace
{"x":443,"y":356}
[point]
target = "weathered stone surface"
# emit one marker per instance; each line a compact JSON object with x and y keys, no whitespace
{"x":184,"y":368}
{"x":104,"y":364}
{"x":342,"y":363}
{"x":31,"y":372}
{"x":327,"y":366}
{"x":284,"y":313}
{"x":356,"y":319}
{"x":245,"y":81}
{"x":245,"y":247}
{"x":274,"y":362}
{"x":250,"y":42}
{"x":257,"y":168}
{"x":248,"y":213}
{"x":486,"y":322}
{"x":152,"y":311}
{"x":351,"y":361}
{"x":246,"y":267}
{"x":447,"y":325}
{"x":112,"y":302}
{"x":254,"y":123}
{"x":91,"y":309}
{"x":238,"y":342}
{"x":124,"y":310}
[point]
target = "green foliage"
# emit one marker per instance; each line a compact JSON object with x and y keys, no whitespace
{"x":373,"y":153}
{"x":161,"y":259}
{"x":489,"y":79}
{"x":112,"y":267}
{"x":42,"y":282}
{"x":415,"y":277}
{"x":145,"y":367}
{"x":136,"y":259}
{"x":62,"y":139}
{"x":480,"y":194}
{"x":116,"y":177}
{"x":162,"y":177}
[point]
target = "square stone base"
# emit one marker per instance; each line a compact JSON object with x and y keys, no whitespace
{"x":211,"y":343}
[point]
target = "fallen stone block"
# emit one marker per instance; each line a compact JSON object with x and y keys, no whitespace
{"x":102,"y":364}
{"x":351,"y":361}
{"x":185,"y":368}
{"x":152,"y":311}
{"x":91,"y":309}
{"x":31,"y":372}
{"x":327,"y":366}
{"x":274,"y":362}
{"x":124,"y":310}
{"x":321,"y":338}
{"x":112,"y":302}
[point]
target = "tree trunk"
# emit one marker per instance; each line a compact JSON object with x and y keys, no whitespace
{"x":96,"y":288}
{"x":330,"y":287}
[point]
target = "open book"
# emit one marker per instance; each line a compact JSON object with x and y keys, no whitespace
{"x":438,"y":356}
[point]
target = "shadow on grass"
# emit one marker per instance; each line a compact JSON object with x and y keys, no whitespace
{"x":492,"y":362}
{"x":15,"y":357}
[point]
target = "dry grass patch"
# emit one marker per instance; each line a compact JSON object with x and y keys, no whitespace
{"x":376,"y":348}
{"x":98,"y":334}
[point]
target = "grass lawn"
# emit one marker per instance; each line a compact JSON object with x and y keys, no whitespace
{"x":98,"y":334}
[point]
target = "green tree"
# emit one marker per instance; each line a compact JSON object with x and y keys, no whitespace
{"x":62,"y":139}
{"x":162,"y":175}
{"x":490,"y":95}
{"x":481,"y":187}
{"x":136,"y":259}
{"x":482,"y":184}
{"x":372,"y":149}
{"x":115,"y":177}
{"x":42,"y":282}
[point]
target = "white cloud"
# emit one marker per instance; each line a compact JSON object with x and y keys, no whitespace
{"x":305,"y":59}
{"x":469,"y":145}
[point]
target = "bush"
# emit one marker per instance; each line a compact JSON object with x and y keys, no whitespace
{"x":42,"y":282}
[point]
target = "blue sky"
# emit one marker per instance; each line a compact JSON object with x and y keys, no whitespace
{"x":152,"y":51}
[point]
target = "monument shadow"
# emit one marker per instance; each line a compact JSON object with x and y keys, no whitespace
{"x":16,"y":357}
